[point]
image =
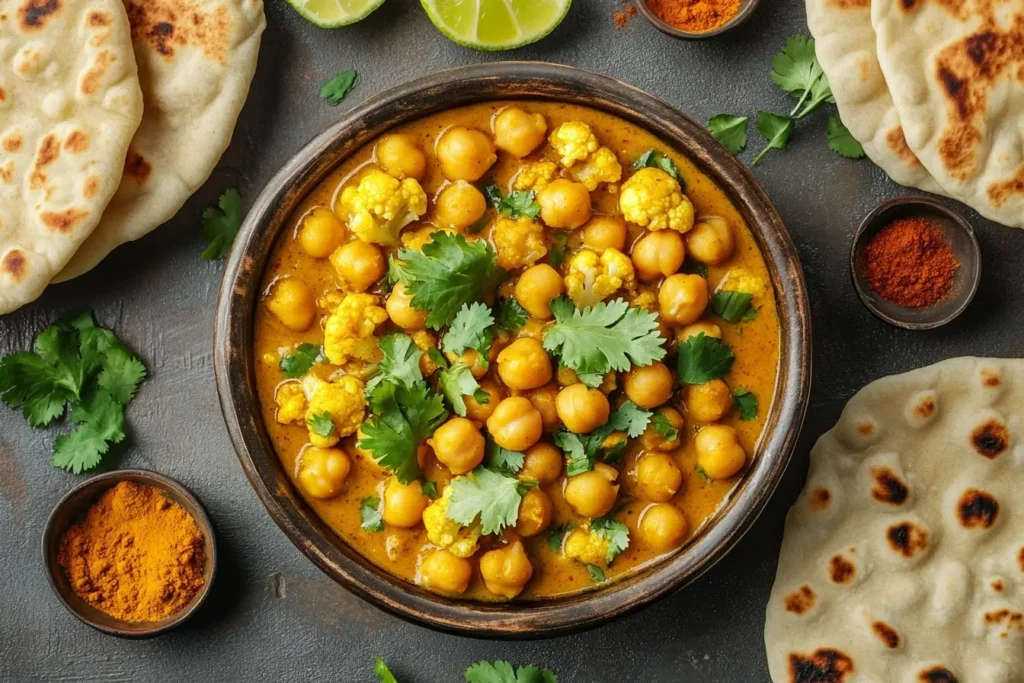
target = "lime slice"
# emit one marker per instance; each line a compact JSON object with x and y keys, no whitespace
{"x":334,"y":13}
{"x":496,"y":24}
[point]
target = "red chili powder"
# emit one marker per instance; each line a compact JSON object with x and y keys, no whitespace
{"x":695,"y":15}
{"x":910,"y":263}
{"x":623,"y":16}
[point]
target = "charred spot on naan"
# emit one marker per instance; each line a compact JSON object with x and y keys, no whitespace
{"x":1006,"y":618}
{"x":824,"y":665}
{"x":91,"y":187}
{"x":98,"y":21}
{"x":937,"y":674}
{"x":991,"y":439}
{"x":896,"y":140}
{"x":92,"y":79}
{"x":800,"y":601}
{"x":1001,"y":192}
{"x":7,"y":173}
{"x":841,"y":570}
{"x":889,"y":636}
{"x":34,"y":14}
{"x":998,"y":586}
{"x":137,"y":168}
{"x":907,"y":538}
{"x":889,"y":488}
{"x":46,"y":154}
{"x":76,"y":142}
{"x":13,"y":142}
{"x":977,"y":509}
{"x":849,"y":4}
{"x":1020,"y":559}
{"x":15,"y":265}
{"x":64,"y":221}
{"x":165,"y":25}
{"x":820,"y":499}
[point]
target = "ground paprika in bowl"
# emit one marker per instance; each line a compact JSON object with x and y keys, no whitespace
{"x":696,"y":19}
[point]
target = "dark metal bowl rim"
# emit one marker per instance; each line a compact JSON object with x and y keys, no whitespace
{"x":233,"y":354}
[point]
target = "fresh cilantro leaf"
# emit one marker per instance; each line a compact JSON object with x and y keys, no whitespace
{"x":597,"y":574}
{"x":746,"y":403}
{"x":456,"y":383}
{"x":449,"y":272}
{"x":509,"y":315}
{"x":41,"y":390}
{"x":503,"y":460}
{"x":471,"y":329}
{"x":578,"y":452}
{"x":664,"y":427}
{"x":403,"y":417}
{"x":696,"y":268}
{"x":429,"y":489}
{"x":394,"y":274}
{"x":701,"y":474}
{"x":629,"y":418}
{"x":338,"y":87}
{"x":607,"y":336}
{"x":121,"y":375}
{"x":734,"y":306}
{"x":370,"y":513}
{"x":613,"y":531}
{"x":383,"y":672}
{"x":399,"y":365}
{"x":776,"y":129}
{"x":502,"y":672}
{"x":583,"y":450}
{"x":437,"y":357}
{"x":654,"y":158}
{"x":220,"y":225}
{"x":477,"y":226}
{"x":100,"y":421}
{"x":702,"y":358}
{"x":491,"y":496}
{"x":730,"y":130}
{"x":559,"y":243}
{"x":556,"y":536}
{"x":515,"y":205}
{"x":841,"y":141}
{"x":796,"y":70}
{"x":301,"y":360}
{"x":322,"y":424}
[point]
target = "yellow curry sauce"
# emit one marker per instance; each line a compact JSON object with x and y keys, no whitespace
{"x":754,"y":344}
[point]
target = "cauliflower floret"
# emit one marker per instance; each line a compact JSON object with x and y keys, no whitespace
{"x":344,"y":399}
{"x":645,"y":299}
{"x":593,"y":278}
{"x":417,"y":238}
{"x":600,"y":167}
{"x":381,"y":205}
{"x":586,"y":547}
{"x":742,"y":280}
{"x":349,"y":330}
{"x":520,"y":241}
{"x":574,"y":141}
{"x":653,"y":199}
{"x":535,"y":176}
{"x":291,"y":403}
{"x":461,"y":541}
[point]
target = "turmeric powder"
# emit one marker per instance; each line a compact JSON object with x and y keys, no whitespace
{"x":695,"y":15}
{"x":136,"y":555}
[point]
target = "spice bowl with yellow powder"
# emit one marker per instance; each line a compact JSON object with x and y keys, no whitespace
{"x":696,"y":19}
{"x":130,"y":553}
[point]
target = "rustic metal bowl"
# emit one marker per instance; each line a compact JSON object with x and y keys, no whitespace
{"x":233,"y":350}
{"x":70,"y":510}
{"x":747,"y":8}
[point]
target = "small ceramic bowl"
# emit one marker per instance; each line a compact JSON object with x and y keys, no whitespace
{"x":960,"y":236}
{"x":70,"y":510}
{"x":747,"y":8}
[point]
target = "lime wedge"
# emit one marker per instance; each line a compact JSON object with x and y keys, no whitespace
{"x":334,"y":13}
{"x":496,"y":24}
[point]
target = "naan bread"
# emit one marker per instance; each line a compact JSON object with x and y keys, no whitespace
{"x":903,"y":558}
{"x":196,"y":61}
{"x":69,"y":104}
{"x":955,"y":69}
{"x":845,"y":46}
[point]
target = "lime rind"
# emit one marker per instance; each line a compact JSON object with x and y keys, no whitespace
{"x":468,"y":34}
{"x":334,"y":13}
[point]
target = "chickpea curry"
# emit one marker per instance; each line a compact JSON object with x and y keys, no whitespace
{"x":516,"y":349}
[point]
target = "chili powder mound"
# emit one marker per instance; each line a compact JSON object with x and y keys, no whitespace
{"x":695,"y":15}
{"x":909,"y":263}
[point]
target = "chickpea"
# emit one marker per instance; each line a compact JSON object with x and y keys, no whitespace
{"x":653,"y":440}
{"x":479,"y":412}
{"x":542,"y":463}
{"x":471,"y":358}
{"x":465,"y":154}
{"x":710,"y":240}
{"x":719,"y":452}
{"x":581,"y":409}
{"x":519,"y":132}
{"x":321,"y":232}
{"x":536,"y":288}
{"x":460,"y":205}
{"x":708,"y":402}
{"x":359,"y":265}
{"x":543,"y":399}
{"x":524,"y":364}
{"x":707,"y":329}
{"x":564,"y":204}
{"x":605,"y":232}
{"x":658,"y":478}
{"x":322,"y":471}
{"x":663,"y":527}
{"x":399,"y":155}
{"x":292,"y":302}
{"x":444,"y":572}
{"x":458,"y":444}
{"x":648,"y":386}
{"x":658,"y":254}
{"x":505,"y":571}
{"x":683,"y":298}
{"x":401,"y":312}
{"x":593,"y":493}
{"x":404,"y":503}
{"x":515,"y":424}
{"x":535,"y":511}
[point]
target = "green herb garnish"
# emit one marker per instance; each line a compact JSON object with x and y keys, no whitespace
{"x":746,"y":403}
{"x":613,"y":531}
{"x":776,"y":129}
{"x":301,"y":360}
{"x":221,"y":224}
{"x":654,"y":158}
{"x":557,"y":535}
{"x":841,"y":141}
{"x":509,"y":315}
{"x":338,"y":87}
{"x":730,"y":130}
{"x":597,"y":574}
{"x":502,"y":672}
{"x":490,"y":496}
{"x":456,"y":383}
{"x":583,"y":450}
{"x":370,"y":513}
{"x":664,"y":427}
{"x":559,"y":247}
{"x":515,"y":205}
{"x":702,"y":358}
{"x":503,"y":460}
{"x":383,"y":672}
{"x":734,"y":306}
{"x":322,"y":424}
{"x":472,"y":328}
{"x":402,"y":419}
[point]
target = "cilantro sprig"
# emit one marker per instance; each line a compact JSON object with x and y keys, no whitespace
{"x":491,"y":496}
{"x":613,"y":531}
{"x":301,"y":360}
{"x":583,"y":450}
{"x":371,"y":515}
{"x":509,"y":315}
{"x":730,"y":130}
{"x":654,"y":158}
{"x":702,"y":358}
{"x":502,"y":672}
{"x":472,"y":328}
{"x":745,"y":402}
{"x":338,"y":87}
{"x":221,"y":224}
{"x":733,"y":306}
{"x":663,"y":427}
{"x":503,"y":460}
{"x":515,"y":205}
{"x":457,"y":382}
{"x":841,"y":141}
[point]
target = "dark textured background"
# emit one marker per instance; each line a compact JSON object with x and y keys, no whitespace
{"x":272,"y":615}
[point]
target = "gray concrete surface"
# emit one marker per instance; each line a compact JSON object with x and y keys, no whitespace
{"x":273,"y":616}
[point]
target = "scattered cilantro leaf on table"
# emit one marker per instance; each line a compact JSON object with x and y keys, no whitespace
{"x":449,"y":272}
{"x":664,"y":427}
{"x":654,"y":158}
{"x":746,"y":403}
{"x":221,"y":224}
{"x":613,"y":531}
{"x":457,"y":382}
{"x":559,"y":247}
{"x":383,"y":672}
{"x":321,"y":424}
{"x":841,"y":141}
{"x":796,"y":71}
{"x":301,"y":360}
{"x":491,"y":496}
{"x":734,"y":307}
{"x":604,"y":337}
{"x":597,"y":574}
{"x":473,"y":328}
{"x":776,"y":129}
{"x":509,"y":315}
{"x":503,"y":460}
{"x":100,"y":420}
{"x":338,"y":87}
{"x":502,"y":672}
{"x":557,"y":535}
{"x":403,"y":417}
{"x":702,"y":358}
{"x":515,"y":205}
{"x":370,"y":514}
{"x":730,"y":130}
